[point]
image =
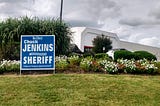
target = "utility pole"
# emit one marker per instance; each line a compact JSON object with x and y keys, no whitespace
{"x":61,"y":10}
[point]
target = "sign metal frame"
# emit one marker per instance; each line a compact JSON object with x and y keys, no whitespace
{"x":36,"y":66}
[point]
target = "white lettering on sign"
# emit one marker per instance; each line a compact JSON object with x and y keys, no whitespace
{"x":37,"y":60}
{"x":38,"y":47}
{"x":30,"y":41}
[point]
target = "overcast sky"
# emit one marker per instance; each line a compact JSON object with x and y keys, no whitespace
{"x":132,"y":20}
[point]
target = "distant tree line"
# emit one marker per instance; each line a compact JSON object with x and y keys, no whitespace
{"x":12,"y":29}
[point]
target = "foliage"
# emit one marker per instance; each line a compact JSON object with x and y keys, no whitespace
{"x":91,"y":64}
{"x":101,"y":44}
{"x":96,"y":67}
{"x":74,"y":60}
{"x":12,"y":29}
{"x":123,"y":54}
{"x":101,"y":56}
{"x":157,"y":64}
{"x":137,"y":55}
{"x":88,"y":54}
{"x":144,"y":54}
{"x":61,"y":63}
{"x":85,"y":64}
{"x":130,"y":66}
{"x":1,"y":55}
{"x":109,"y":66}
{"x":9,"y":66}
{"x":142,"y":66}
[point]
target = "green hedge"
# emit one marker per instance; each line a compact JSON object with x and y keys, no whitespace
{"x":144,"y":54}
{"x":102,"y":56}
{"x":137,"y":55}
{"x":123,"y":54}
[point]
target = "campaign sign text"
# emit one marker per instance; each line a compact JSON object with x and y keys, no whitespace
{"x":37,"y":52}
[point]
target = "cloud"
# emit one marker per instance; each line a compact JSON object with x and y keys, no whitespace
{"x":46,"y":8}
{"x":31,"y":8}
{"x":94,"y":11}
{"x":122,"y":32}
{"x":140,"y":13}
{"x":138,"y":21}
{"x":152,"y":41}
{"x":83,"y":23}
{"x":13,"y":8}
{"x":85,"y":12}
{"x":155,"y":11}
{"x":132,"y":22}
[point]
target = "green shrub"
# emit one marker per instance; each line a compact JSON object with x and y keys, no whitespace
{"x":13,"y":68}
{"x":144,"y":54}
{"x":157,"y":64}
{"x":111,"y":68}
{"x":88,"y":54}
{"x":101,"y":56}
{"x":96,"y":67}
{"x":1,"y":55}
{"x":9,"y":66}
{"x":2,"y":70}
{"x":86,"y":64}
{"x":11,"y":30}
{"x":74,"y":60}
{"x":123,"y":54}
{"x":73,"y":54}
{"x":137,"y":55}
{"x":142,"y":66}
{"x":61,"y":65}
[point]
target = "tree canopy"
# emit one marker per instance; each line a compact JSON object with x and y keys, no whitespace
{"x":101,"y":44}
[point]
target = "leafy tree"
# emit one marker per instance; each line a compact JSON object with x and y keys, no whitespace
{"x":12,"y":29}
{"x":101,"y":44}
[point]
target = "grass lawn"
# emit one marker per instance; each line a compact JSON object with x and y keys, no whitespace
{"x":80,"y":90}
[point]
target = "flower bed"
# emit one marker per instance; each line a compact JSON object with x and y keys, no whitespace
{"x":9,"y":66}
{"x":91,"y":64}
{"x":78,"y":64}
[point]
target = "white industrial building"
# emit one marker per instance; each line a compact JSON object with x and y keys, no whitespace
{"x":83,"y":38}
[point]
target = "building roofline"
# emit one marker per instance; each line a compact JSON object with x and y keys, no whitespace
{"x":139,"y":44}
{"x":93,"y":30}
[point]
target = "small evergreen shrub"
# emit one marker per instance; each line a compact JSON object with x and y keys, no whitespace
{"x":137,"y":55}
{"x":102,"y":56}
{"x":123,"y":54}
{"x":144,"y":54}
{"x":88,"y":54}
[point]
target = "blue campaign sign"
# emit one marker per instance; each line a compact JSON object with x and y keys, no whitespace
{"x":37,"y":52}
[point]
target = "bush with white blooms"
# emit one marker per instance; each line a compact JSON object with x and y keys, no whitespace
{"x":9,"y":66}
{"x":88,"y":64}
